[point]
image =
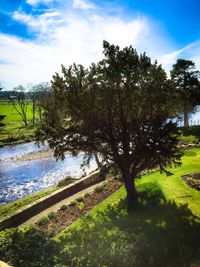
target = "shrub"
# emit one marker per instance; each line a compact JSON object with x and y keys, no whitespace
{"x":80,"y":206}
{"x":27,"y":247}
{"x":72,"y":203}
{"x":51,"y":215}
{"x":105,"y":183}
{"x":80,"y":198}
{"x":87,"y":194}
{"x":64,"y":207}
{"x":99,"y":189}
{"x":42,"y":220}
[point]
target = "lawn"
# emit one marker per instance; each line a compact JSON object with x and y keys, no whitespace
{"x":162,"y":230}
{"x":14,"y":130}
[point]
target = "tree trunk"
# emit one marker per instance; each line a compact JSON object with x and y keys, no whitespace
{"x":131,"y":193}
{"x":186,"y":122}
{"x":97,"y":160}
{"x":33,"y":111}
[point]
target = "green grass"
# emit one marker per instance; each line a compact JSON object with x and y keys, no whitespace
{"x":18,"y":204}
{"x":14,"y":130}
{"x":162,"y":230}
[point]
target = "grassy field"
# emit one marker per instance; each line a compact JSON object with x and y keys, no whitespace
{"x":163,"y":229}
{"x":14,"y":130}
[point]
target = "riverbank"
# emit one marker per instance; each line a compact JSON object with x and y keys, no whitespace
{"x":34,"y":156}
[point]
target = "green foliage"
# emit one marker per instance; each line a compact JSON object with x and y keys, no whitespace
{"x":192,"y":130}
{"x":51,"y":215}
{"x":99,"y":188}
{"x":87,"y":194}
{"x":13,"y":206}
{"x":28,"y":247}
{"x":72,"y":203}
{"x":80,"y":198}
{"x":80,"y":206}
{"x":113,"y":108}
{"x":186,"y":86}
{"x":14,"y":131}
{"x":189,"y":153}
{"x":162,"y":228}
{"x":105,"y":183}
{"x":151,"y":234}
{"x":43,"y":220}
{"x":64,"y":207}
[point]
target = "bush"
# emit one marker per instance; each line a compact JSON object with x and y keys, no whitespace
{"x":42,"y":220}
{"x":79,"y":199}
{"x":64,"y":207}
{"x":51,"y":215}
{"x":105,"y":183}
{"x":72,"y":203}
{"x":99,"y":189}
{"x":27,"y":247}
{"x":80,"y":206}
{"x":87,"y":194}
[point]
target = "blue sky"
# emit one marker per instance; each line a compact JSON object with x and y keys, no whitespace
{"x":37,"y":36}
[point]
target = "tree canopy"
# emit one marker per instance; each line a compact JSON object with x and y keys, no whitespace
{"x":187,"y":85}
{"x":118,"y":108}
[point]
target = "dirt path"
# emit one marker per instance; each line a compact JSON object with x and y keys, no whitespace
{"x":55,"y":207}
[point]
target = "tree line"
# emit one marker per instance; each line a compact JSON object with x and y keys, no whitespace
{"x":23,"y":98}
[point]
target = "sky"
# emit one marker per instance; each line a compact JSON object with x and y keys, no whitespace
{"x":37,"y":36}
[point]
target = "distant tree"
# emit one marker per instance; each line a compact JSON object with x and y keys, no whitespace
{"x":20,"y":103}
{"x":186,"y":79}
{"x":118,"y":108}
{"x":32,"y":95}
{"x":42,"y":92}
{"x":2,"y":117}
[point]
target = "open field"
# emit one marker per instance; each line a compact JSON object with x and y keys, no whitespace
{"x":14,"y":130}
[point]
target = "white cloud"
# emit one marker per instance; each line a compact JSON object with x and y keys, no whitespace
{"x":83,"y":5}
{"x":190,"y":51}
{"x":35,"y":2}
{"x":44,"y":23}
{"x":66,"y":35}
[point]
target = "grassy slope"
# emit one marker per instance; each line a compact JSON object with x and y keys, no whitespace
{"x":14,"y":128}
{"x":14,"y":206}
{"x":158,"y":232}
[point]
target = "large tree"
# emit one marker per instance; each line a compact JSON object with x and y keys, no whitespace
{"x":118,"y":108}
{"x":187,"y":85}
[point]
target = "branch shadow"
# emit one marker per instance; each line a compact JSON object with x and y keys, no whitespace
{"x":155,"y":233}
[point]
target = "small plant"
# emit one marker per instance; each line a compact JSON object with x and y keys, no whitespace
{"x":99,"y":189}
{"x":105,"y":183}
{"x":80,"y":206}
{"x":42,"y":220}
{"x":72,"y":203}
{"x":80,"y":198}
{"x":64,"y":207}
{"x":51,"y":215}
{"x":87,"y":194}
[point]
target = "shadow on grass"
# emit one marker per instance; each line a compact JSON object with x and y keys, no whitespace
{"x":155,"y":233}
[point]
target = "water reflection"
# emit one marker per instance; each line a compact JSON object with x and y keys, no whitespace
{"x":19,"y":179}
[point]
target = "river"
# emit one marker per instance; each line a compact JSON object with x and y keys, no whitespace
{"x":20,"y":178}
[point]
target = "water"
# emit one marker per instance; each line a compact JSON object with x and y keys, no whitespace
{"x":21,"y":178}
{"x":9,"y":152}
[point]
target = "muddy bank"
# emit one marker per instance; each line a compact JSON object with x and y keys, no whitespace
{"x":34,"y":156}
